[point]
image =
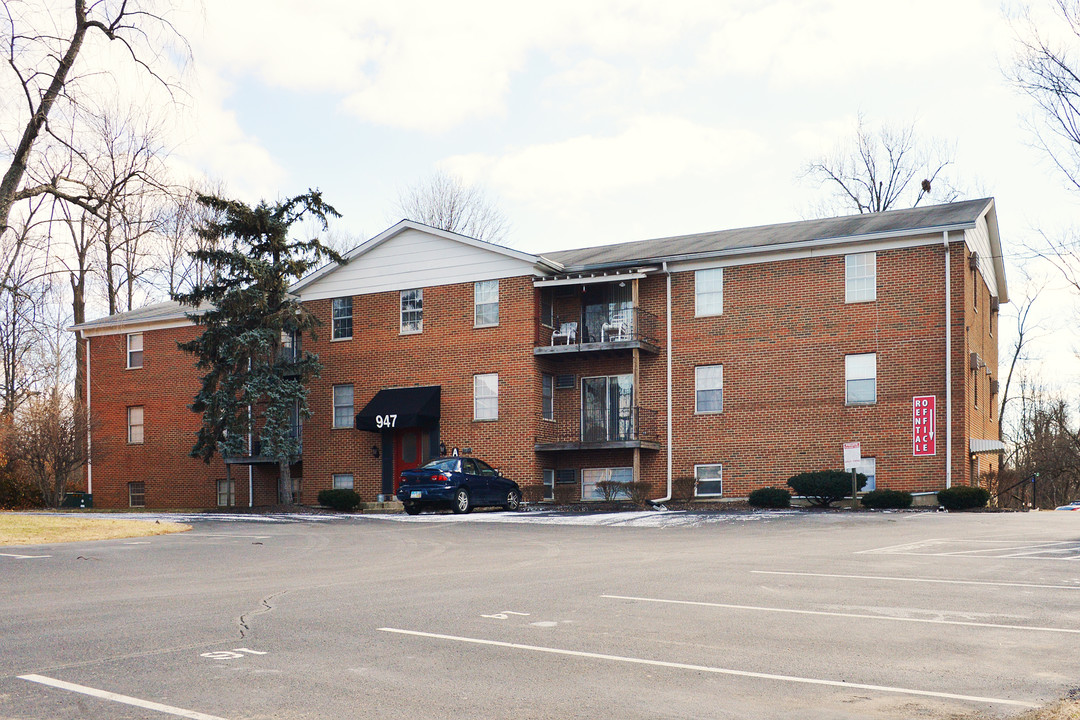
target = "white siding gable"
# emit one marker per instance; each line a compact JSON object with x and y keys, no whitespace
{"x":414,"y":259}
{"x":978,"y":239}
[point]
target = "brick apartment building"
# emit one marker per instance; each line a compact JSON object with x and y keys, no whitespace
{"x":712,"y":364}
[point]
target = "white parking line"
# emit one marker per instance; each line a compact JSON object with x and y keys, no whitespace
{"x":917,"y":580}
{"x":791,"y":611}
{"x":250,"y":537}
{"x":709,"y":669}
{"x":23,"y":557}
{"x":115,"y":697}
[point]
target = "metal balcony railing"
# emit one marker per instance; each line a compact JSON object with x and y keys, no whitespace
{"x":637,"y":425}
{"x":600,"y":324}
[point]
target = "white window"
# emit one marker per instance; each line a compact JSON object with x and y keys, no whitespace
{"x":486,"y":396}
{"x":412,"y":311}
{"x":342,"y":312}
{"x":136,"y":494}
{"x":860,"y":277}
{"x":549,"y":484}
{"x":709,"y":292}
{"x":343,"y":481}
{"x":486,"y":303}
{"x":709,"y":388}
{"x":591,"y":476}
{"x":226,"y":493}
{"x":860,"y":374}
{"x":868,"y":467}
{"x":547,"y":402}
{"x":710,"y":480}
{"x":343,"y":406}
{"x":135,"y":425}
{"x":134,"y":350}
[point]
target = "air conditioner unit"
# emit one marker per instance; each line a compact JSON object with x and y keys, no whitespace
{"x":566,"y":476}
{"x":564,"y":382}
{"x":975,"y":361}
{"x":993,"y":387}
{"x":995,"y":304}
{"x":973,"y":260}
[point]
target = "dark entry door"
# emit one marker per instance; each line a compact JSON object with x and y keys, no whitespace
{"x":408,"y":452}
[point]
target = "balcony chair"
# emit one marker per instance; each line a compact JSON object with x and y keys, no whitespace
{"x":616,"y":329}
{"x":566,"y":330}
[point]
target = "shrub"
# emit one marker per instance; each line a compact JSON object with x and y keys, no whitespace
{"x":611,"y":489}
{"x":639,"y":492}
{"x":770,"y":497}
{"x":16,"y":492}
{"x":533,"y":494}
{"x":824,"y":487}
{"x":345,"y":500}
{"x":887,"y":499}
{"x":963,"y":497}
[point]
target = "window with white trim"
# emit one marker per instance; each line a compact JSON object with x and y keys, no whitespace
{"x":860,"y":376}
{"x":412,"y":311}
{"x":226,"y":492}
{"x":709,"y":292}
{"x":591,"y":476}
{"x":486,"y":396}
{"x":860,"y":277}
{"x":709,"y":480}
{"x":709,"y":389}
{"x":137,"y":494}
{"x":549,"y":484}
{"x":343,"y":406}
{"x":868,"y":467}
{"x":342,"y":318}
{"x":135,"y":425}
{"x":134,"y":350}
{"x":547,"y":401}
{"x":343,"y":481}
{"x":486,"y":303}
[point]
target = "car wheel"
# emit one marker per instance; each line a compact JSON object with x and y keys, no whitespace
{"x":412,"y":508}
{"x":462,"y":501}
{"x":513,"y":500}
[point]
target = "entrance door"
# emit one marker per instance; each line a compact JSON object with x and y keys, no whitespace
{"x":408,"y":452}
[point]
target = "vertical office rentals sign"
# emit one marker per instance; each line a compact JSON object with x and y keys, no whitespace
{"x":924,"y":425}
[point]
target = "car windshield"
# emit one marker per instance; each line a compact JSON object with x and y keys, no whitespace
{"x":444,"y":464}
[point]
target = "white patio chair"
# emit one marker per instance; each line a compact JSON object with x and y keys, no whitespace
{"x":567,"y":330}
{"x":616,"y":329}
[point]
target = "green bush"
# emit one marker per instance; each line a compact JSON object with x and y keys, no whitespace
{"x":886,"y":499}
{"x":963,"y":497}
{"x":346,"y":500}
{"x":824,"y":487}
{"x":770,"y":497}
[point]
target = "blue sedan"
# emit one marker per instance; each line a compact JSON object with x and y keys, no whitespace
{"x":459,"y":483}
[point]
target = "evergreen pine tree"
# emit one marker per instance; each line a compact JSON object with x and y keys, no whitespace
{"x":256,"y":373}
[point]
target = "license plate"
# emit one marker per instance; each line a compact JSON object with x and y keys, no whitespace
{"x":416,"y":494}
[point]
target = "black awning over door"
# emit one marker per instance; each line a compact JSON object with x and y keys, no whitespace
{"x":401,"y":408}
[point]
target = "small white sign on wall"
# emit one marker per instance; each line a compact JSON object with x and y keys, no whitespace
{"x":852,"y":455}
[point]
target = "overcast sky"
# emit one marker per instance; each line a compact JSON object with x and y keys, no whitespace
{"x":595,"y":121}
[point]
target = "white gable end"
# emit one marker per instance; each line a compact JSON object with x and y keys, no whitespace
{"x":414,"y":259}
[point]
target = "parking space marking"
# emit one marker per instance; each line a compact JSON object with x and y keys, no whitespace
{"x":792,"y":611}
{"x":116,"y":697}
{"x":1061,"y":550}
{"x":711,"y":669}
{"x":24,"y":557}
{"x":216,"y":535}
{"x":918,"y":580}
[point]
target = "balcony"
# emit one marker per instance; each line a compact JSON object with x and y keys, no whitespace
{"x":257,"y":458}
{"x":638,"y":427}
{"x":600,"y":328}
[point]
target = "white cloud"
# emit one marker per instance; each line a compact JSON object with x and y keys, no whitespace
{"x":652,"y":149}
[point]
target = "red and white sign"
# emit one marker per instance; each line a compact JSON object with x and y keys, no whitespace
{"x":924,"y":425}
{"x":852,"y":454}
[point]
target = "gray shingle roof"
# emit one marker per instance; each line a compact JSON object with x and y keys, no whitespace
{"x":158,"y":312}
{"x":763,"y":236}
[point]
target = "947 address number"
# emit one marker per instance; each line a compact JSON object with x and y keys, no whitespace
{"x":385,"y":421}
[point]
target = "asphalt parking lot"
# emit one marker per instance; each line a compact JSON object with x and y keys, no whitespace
{"x":539,"y":615}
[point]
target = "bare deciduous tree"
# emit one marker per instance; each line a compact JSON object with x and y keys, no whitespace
{"x":1026,"y":332}
{"x":48,"y":443}
{"x":444,"y":201}
{"x":883,"y":169}
{"x":43,"y":60}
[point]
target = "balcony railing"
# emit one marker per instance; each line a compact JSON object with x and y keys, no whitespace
{"x":256,"y":457}
{"x":598,"y":327}
{"x":637,"y":428}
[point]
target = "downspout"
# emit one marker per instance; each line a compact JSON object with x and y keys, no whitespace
{"x":251,"y":448}
{"x":667,"y":274}
{"x":89,"y":459}
{"x":948,"y":364}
